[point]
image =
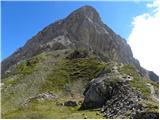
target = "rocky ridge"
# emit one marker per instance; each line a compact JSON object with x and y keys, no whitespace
{"x":81,"y":29}
{"x":80,"y":62}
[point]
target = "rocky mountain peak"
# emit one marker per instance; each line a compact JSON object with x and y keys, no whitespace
{"x":82,"y":29}
{"x":77,"y":61}
{"x":85,"y":12}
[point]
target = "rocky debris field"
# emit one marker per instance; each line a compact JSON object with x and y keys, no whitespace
{"x":116,"y":97}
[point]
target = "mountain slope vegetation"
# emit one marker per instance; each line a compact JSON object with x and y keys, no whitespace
{"x":77,"y":68}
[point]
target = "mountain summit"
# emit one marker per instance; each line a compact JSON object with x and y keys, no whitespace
{"x":86,"y":12}
{"x":77,"y":58}
{"x":83,"y":28}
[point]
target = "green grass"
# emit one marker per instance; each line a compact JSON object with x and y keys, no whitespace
{"x":26,"y":67}
{"x":69,"y":71}
{"x":129,"y":70}
{"x":49,"y":109}
{"x":87,"y":68}
{"x":20,"y":82}
{"x":138,"y":83}
{"x":141,"y":86}
{"x":155,"y":85}
{"x":55,"y":74}
{"x":150,"y":106}
{"x":10,"y":81}
{"x":61,"y":75}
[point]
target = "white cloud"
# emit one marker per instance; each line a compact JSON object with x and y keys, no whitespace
{"x":144,"y":38}
{"x":153,"y":4}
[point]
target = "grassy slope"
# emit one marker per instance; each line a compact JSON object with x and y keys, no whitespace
{"x":67,"y":72}
{"x":50,"y":109}
{"x":48,"y":72}
{"x":66,"y":78}
{"x":140,"y":84}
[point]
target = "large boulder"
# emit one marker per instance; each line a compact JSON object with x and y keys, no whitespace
{"x":101,"y":89}
{"x":113,"y":95}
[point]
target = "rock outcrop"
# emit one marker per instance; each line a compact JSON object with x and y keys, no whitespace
{"x":86,"y":65}
{"x":116,"y":96}
{"x":106,"y":88}
{"x":83,"y":28}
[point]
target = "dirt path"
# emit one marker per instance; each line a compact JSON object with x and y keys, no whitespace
{"x":153,"y":95}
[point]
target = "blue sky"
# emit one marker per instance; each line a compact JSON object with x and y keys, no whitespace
{"x":22,"y":20}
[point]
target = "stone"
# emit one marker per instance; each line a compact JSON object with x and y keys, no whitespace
{"x":43,"y":96}
{"x":83,"y":33}
{"x":145,"y":115}
{"x":80,"y":102}
{"x":85,"y":117}
{"x":97,"y":113}
{"x":99,"y":90}
{"x":59,"y":103}
{"x":113,"y":95}
{"x":70,"y":103}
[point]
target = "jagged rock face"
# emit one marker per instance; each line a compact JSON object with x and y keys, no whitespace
{"x":81,"y":29}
